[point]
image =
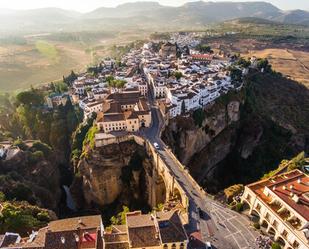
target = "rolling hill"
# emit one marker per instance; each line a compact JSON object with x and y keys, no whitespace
{"x":149,"y":14}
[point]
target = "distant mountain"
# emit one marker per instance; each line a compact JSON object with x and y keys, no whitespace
{"x":295,"y":17}
{"x":147,"y":14}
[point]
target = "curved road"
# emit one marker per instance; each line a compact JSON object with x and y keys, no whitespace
{"x":219,"y":225}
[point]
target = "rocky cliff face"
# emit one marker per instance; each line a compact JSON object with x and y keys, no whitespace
{"x":243,"y":135}
{"x":37,"y":182}
{"x":188,"y":139}
{"x":116,"y":172}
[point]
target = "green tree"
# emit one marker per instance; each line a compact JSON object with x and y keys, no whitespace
{"x":203,"y":48}
{"x":20,"y":144}
{"x":36,"y":156}
{"x":178,"y":75}
{"x":2,"y":197}
{"x":120,"y":218}
{"x":236,"y":75}
{"x":243,"y":62}
{"x":183,"y":107}
{"x":120,"y":83}
{"x":199,"y":116}
{"x":264,"y":64}
{"x":275,"y":245}
{"x":39,"y":146}
{"x":31,"y":97}
{"x":70,"y":78}
{"x":109,"y":78}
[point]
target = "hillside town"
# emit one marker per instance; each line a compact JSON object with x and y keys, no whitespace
{"x":173,"y":73}
{"x":173,"y":78}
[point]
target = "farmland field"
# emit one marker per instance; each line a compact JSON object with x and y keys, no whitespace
{"x":44,"y":58}
{"x":40,"y":62}
{"x":292,"y":63}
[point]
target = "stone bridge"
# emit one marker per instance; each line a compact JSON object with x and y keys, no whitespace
{"x":165,"y":188}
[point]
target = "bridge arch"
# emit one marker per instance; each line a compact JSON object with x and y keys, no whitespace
{"x":160,"y":190}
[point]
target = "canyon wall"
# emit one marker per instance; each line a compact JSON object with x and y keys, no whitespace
{"x":115,"y":173}
{"x":243,"y":135}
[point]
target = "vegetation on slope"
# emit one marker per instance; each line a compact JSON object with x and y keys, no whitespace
{"x":21,"y":217}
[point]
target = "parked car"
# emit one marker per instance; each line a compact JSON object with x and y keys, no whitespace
{"x":156,"y":145}
{"x":208,"y":245}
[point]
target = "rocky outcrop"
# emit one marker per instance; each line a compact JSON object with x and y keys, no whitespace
{"x":115,"y":172}
{"x":36,"y":181}
{"x":187,"y":139}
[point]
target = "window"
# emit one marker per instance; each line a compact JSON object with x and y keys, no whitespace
{"x":285,"y":234}
{"x":258,"y":207}
{"x":275,"y":224}
{"x":295,"y":244}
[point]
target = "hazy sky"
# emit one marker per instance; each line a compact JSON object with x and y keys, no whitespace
{"x":82,"y":5}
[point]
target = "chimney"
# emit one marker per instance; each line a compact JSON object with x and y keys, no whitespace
{"x":284,"y":187}
{"x":292,"y":186}
{"x":274,"y":187}
{"x":299,"y":180}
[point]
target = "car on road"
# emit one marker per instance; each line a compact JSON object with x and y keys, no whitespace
{"x":208,"y":245}
{"x":156,"y":145}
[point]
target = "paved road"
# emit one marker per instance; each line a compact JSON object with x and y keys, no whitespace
{"x":221,"y":226}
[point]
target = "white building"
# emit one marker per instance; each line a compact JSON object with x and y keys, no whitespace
{"x":281,"y":204}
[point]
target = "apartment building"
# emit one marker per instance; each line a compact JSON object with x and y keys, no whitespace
{"x":281,"y":203}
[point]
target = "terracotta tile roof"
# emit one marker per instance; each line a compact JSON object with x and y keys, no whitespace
{"x":144,"y":237}
{"x":112,"y":117}
{"x":142,"y":230}
{"x":136,"y":219}
{"x":297,"y":196}
{"x":124,"y":245}
{"x":170,"y":227}
{"x":85,"y":222}
{"x":38,"y":242}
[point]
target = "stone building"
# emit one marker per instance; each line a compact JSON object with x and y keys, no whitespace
{"x":124,"y":111}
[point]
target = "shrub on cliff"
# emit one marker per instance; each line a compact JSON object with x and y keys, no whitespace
{"x":2,"y":196}
{"x":120,"y":218}
{"x":36,"y":156}
{"x":44,"y":148}
{"x":233,"y":191}
{"x":297,"y":162}
{"x":21,"y":217}
{"x":90,"y":137}
{"x":20,"y":144}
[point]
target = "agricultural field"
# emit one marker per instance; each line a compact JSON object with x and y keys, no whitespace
{"x":292,"y":63}
{"x":285,"y":46}
{"x":43,"y":58}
